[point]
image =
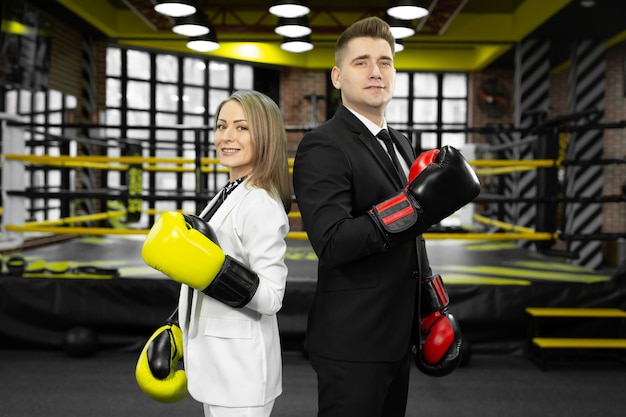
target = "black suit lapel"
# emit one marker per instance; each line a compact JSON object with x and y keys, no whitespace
{"x":372,"y":144}
{"x":403,"y":146}
{"x":381,"y":157}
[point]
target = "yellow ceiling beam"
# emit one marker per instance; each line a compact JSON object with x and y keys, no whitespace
{"x":467,"y":58}
{"x":470,"y":43}
{"x":499,"y":27}
{"x":100,"y":14}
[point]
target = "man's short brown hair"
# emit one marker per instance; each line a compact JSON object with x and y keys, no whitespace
{"x":369,"y":27}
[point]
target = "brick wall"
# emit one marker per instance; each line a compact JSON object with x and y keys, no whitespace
{"x":559,"y":93}
{"x":614,"y":214}
{"x":480,"y":116}
{"x":66,"y":76}
{"x":66,"y":62}
{"x":297,"y":87}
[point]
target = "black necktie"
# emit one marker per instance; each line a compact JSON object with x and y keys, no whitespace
{"x":386,"y":138}
{"x":228,"y":188}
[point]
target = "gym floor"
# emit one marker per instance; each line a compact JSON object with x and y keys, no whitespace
{"x":494,"y":382}
{"x":37,"y":383}
{"x":490,"y":285}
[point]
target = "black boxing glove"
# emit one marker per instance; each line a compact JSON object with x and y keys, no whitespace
{"x":440,"y":182}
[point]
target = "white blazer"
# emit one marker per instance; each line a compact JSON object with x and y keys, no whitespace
{"x":232,"y":356}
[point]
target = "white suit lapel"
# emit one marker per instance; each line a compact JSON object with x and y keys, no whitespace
{"x":231,"y":202}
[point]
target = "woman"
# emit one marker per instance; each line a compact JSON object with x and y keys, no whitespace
{"x":232,"y":355}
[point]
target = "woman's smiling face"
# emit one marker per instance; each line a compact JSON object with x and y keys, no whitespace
{"x":233,"y":140}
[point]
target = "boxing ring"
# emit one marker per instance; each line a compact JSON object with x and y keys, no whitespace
{"x":85,"y":271}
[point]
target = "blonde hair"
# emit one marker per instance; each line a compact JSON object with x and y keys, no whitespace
{"x":369,"y":27}
{"x":269,"y":141}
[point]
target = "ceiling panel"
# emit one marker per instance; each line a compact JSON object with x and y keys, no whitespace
{"x":458,"y":35}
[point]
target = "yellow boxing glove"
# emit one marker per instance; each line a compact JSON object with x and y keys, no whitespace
{"x":185,"y":248}
{"x":181,"y":252}
{"x":156,"y":372}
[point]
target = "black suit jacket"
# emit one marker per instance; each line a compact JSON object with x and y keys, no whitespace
{"x":364,"y":303}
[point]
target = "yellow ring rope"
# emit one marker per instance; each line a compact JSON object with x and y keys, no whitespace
{"x":290,"y":235}
{"x":101,"y":161}
{"x":501,"y":225}
{"x":50,"y":226}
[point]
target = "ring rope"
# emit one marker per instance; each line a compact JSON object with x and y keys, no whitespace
{"x":290,"y":235}
{"x":52,"y":226}
{"x":119,"y":159}
{"x":104,"y":162}
{"x":502,"y":170}
{"x":537,"y":163}
{"x":502,"y":225}
{"x":499,"y":166}
{"x":73,"y":161}
{"x":56,"y":159}
{"x":540,"y":163}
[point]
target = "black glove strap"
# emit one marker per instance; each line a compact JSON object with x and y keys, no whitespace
{"x":234,"y":285}
{"x":433,"y":295}
{"x":399,"y":218}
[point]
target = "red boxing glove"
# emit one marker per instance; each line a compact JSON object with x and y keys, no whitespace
{"x":438,"y":348}
{"x":421,"y":162}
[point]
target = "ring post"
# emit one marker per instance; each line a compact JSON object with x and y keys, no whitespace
{"x":13,"y":178}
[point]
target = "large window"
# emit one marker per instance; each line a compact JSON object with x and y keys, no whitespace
{"x":167,"y":103}
{"x":431,"y":108}
{"x":44,"y":113}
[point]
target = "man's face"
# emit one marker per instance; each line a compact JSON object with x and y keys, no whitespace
{"x":366,"y":75}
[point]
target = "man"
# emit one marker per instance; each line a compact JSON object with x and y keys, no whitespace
{"x":364,"y":222}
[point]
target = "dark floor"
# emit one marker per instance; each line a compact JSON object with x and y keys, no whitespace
{"x":51,"y":384}
{"x":489,"y":294}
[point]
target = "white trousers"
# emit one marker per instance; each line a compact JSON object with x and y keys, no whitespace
{"x":215,"y":411}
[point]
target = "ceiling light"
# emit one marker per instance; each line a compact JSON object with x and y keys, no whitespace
{"x":400,"y":28}
{"x":194,"y":25}
{"x":293,"y":27}
{"x":297,"y":45}
{"x":399,"y":46}
{"x":407,"y":9}
{"x":289,"y":8}
{"x":175,"y":8}
{"x":204,"y":43}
